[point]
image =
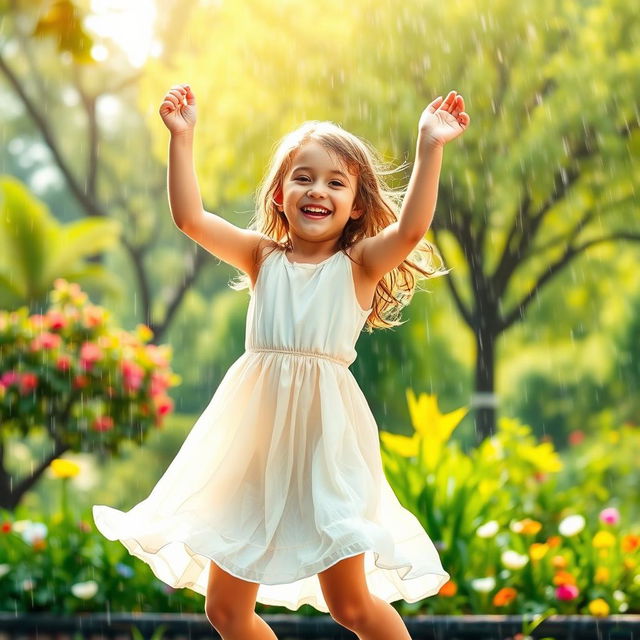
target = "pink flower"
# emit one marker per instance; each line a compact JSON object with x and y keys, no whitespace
{"x":610,"y":515}
{"x":133,"y":375}
{"x":567,"y":592}
{"x":159,"y":382}
{"x":10,"y":377}
{"x":45,"y":340}
{"x":90,"y":353}
{"x":56,"y":320}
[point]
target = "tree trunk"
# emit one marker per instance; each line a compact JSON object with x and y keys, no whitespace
{"x":484,"y":401}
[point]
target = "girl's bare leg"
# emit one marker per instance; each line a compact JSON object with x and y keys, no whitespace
{"x":350,"y":603}
{"x":230,"y":607}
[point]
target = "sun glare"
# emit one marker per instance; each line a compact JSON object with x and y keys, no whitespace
{"x":130,"y":25}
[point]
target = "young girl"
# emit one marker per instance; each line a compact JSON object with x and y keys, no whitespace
{"x":278,"y":493}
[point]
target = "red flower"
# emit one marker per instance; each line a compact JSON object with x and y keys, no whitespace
{"x":28,"y":382}
{"x":103,"y":423}
{"x":80,"y":382}
{"x":576,"y":437}
{"x":63,"y":363}
{"x":6,"y":527}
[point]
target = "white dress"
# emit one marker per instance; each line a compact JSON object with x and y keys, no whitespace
{"x":281,"y":476}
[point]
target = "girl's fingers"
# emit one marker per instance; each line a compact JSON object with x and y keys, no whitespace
{"x":171,"y":98}
{"x":178,"y":94}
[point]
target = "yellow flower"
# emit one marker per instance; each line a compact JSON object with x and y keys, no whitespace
{"x":602,"y":575}
{"x":603,"y":539}
{"x":538,"y":550}
{"x":629,"y":563}
{"x":64,"y":468}
{"x":599,"y":607}
{"x":403,"y":445}
{"x":432,"y":427}
{"x":143,"y":333}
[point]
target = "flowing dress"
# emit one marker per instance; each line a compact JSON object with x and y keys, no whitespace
{"x":281,"y":475}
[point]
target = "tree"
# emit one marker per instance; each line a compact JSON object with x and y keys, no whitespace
{"x":542,"y":175}
{"x":49,"y":39}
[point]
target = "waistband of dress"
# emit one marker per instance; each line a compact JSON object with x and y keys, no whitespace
{"x":299,"y":352}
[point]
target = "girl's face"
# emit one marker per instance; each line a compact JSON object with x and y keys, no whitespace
{"x":317,"y":179}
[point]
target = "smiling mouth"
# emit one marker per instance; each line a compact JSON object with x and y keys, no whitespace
{"x":315,"y":212}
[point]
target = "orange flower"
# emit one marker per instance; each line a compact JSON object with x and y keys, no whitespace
{"x":559,"y":562}
{"x":553,"y":541}
{"x":504,"y":597}
{"x":449,"y":589}
{"x":602,"y":575}
{"x":563,"y":577}
{"x":630,"y":543}
{"x":529,"y":527}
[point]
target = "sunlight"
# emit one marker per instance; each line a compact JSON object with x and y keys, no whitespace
{"x":129,"y":24}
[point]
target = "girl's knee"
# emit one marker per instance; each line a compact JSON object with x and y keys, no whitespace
{"x":351,"y":613}
{"x":225,"y":618}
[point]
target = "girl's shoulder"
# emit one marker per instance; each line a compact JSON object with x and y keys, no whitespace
{"x":265,"y":247}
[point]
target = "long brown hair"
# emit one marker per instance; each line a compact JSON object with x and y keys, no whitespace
{"x":380,"y":204}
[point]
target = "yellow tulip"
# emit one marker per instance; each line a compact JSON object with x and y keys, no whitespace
{"x":402,"y":445}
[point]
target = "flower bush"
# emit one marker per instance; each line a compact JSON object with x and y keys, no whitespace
{"x":91,"y":384}
{"x":510,"y":533}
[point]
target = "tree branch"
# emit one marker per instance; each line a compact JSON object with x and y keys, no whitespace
{"x":466,"y":314}
{"x":569,"y":254}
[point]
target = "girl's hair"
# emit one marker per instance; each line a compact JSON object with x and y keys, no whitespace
{"x":380,"y":205}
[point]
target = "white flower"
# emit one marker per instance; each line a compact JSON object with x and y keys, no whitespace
{"x":513,"y":560}
{"x":85,"y":590}
{"x":620,"y":596}
{"x":571,"y":525}
{"x":4,"y":569}
{"x":488,"y":529}
{"x":623,"y":607}
{"x":483,"y":585}
{"x":34,"y":531}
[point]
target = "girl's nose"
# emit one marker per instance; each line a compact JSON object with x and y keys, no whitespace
{"x":315,"y":191}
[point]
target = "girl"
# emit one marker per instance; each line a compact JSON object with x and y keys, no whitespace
{"x":278,"y":493}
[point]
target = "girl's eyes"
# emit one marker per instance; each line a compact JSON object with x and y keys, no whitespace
{"x":334,"y":181}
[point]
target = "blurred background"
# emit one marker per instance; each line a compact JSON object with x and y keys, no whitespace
{"x":537,"y":215}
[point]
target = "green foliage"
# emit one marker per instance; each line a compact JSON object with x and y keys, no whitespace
{"x":35,"y":249}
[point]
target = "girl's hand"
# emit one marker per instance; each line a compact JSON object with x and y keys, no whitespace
{"x":442,"y":121}
{"x":178,"y":110}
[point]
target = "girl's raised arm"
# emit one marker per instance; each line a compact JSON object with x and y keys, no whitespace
{"x":238,"y":247}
